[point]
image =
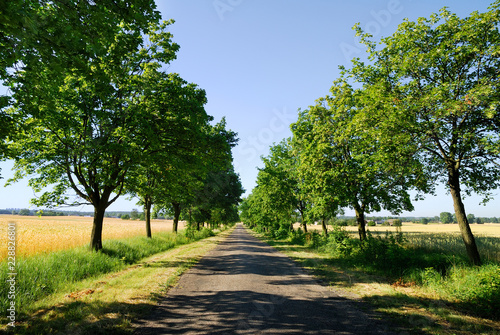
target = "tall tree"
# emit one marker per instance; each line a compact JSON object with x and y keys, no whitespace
{"x":177,"y":138}
{"x":220,"y":188}
{"x":83,"y":125}
{"x":340,"y":158}
{"x":438,"y":79}
{"x":280,"y":181}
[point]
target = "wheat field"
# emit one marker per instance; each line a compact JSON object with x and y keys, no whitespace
{"x":487,"y":229}
{"x":36,"y":235}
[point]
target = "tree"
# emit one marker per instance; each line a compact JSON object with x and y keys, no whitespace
{"x":446,"y":217}
{"x":424,"y":221}
{"x":282,"y":186}
{"x":437,"y":79}
{"x":59,"y":34}
{"x":341,"y":158}
{"x":83,"y":127}
{"x":471,"y":218}
{"x":134,"y":214}
{"x":176,"y":149}
{"x":216,"y":189}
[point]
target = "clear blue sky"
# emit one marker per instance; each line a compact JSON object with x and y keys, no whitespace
{"x":260,"y":61}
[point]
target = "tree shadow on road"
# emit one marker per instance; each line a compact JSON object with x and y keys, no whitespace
{"x":248,"y":312}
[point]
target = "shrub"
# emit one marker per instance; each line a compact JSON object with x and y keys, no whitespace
{"x":338,"y":242}
{"x":297,"y":237}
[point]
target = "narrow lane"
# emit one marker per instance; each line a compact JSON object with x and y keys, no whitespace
{"x":245,"y":286}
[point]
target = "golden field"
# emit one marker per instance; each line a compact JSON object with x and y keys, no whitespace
{"x":35,"y":235}
{"x":487,"y":229}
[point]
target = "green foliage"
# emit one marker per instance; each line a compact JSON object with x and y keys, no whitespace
{"x":338,"y":243}
{"x":446,"y":217}
{"x":134,"y":214}
{"x":125,"y":217}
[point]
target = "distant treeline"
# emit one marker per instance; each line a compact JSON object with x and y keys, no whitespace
{"x":134,"y":214}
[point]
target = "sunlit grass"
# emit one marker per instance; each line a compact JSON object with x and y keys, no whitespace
{"x":43,"y":274}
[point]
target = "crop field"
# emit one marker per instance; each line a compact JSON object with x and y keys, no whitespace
{"x":36,"y":235}
{"x":488,"y":229}
{"x":443,"y":238}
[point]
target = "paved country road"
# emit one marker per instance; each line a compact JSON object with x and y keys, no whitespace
{"x":245,"y":286}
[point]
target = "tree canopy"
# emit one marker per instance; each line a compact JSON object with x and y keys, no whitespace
{"x":95,"y":112}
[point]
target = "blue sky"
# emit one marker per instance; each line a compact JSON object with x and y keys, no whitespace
{"x":260,"y":61}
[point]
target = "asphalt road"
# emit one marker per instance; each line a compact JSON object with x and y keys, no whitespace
{"x":245,"y":286}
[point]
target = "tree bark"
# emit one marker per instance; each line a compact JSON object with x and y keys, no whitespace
{"x":147,"y":215}
{"x":96,"y":236}
{"x":177,"y":214}
{"x":304,"y":225}
{"x":467,"y":236}
{"x":323,"y":225}
{"x":360,"y":219}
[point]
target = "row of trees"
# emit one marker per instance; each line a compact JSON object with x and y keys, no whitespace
{"x":92,"y":111}
{"x":424,"y":109}
{"x":446,"y":217}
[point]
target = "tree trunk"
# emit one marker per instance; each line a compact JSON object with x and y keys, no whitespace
{"x":177,"y":214}
{"x":147,"y":215}
{"x":197,"y":226}
{"x":360,"y":219}
{"x":467,"y":236}
{"x":323,"y":225}
{"x":291,"y":226}
{"x":96,"y":236}
{"x":304,"y":225}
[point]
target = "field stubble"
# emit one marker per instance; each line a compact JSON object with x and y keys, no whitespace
{"x":37,"y":235}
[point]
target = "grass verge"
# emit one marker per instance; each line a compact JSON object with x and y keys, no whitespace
{"x":447,"y":298}
{"x":107,"y":302}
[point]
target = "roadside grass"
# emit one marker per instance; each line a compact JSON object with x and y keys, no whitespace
{"x":422,"y":281}
{"x":40,"y":278}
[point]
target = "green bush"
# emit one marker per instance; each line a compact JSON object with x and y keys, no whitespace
{"x":338,"y":243}
{"x":297,"y":237}
{"x":281,"y":233}
{"x":476,"y":288}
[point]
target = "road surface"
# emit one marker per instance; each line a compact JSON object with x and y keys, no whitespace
{"x":245,"y":286}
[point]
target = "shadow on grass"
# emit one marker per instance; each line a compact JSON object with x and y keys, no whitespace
{"x":86,"y":315}
{"x":81,"y":317}
{"x":431,"y":315}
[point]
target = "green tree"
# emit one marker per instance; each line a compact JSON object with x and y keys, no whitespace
{"x":437,"y":79}
{"x":340,"y":158}
{"x":60,"y":35}
{"x":134,"y":214}
{"x":446,"y":217}
{"x":471,"y":218}
{"x":86,"y":128}
{"x":282,"y":186}
{"x":424,"y":221}
{"x":176,"y":149}
{"x":218,"y":189}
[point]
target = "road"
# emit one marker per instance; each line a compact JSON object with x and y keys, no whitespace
{"x":245,"y":286}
